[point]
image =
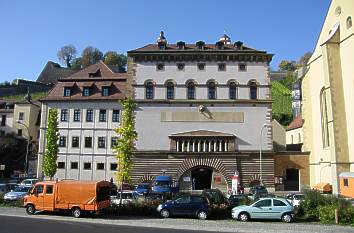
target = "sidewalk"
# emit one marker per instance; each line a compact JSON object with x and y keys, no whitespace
{"x":188,"y":224}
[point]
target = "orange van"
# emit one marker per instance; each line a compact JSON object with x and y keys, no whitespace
{"x":77,"y":196}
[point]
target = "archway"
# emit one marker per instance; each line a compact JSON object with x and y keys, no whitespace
{"x":201,"y":178}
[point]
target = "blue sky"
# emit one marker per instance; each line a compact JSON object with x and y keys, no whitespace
{"x":33,"y":31}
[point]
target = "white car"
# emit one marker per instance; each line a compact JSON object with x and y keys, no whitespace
{"x":128,"y":197}
{"x":28,"y":182}
{"x":295,"y":199}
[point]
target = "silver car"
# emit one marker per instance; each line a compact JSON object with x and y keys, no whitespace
{"x":265,"y":208}
{"x":18,"y":193}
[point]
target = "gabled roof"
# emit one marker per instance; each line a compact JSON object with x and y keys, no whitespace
{"x":99,"y":70}
{"x":52,"y":72}
{"x":202,"y":133}
{"x":296,"y":123}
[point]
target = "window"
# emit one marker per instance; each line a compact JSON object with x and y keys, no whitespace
{"x":263,"y":203}
{"x":19,"y":132}
{"x":211,"y":91}
{"x":76,"y":115}
{"x":62,"y":141}
{"x":100,"y":166}
{"x":105,"y":91}
{"x":160,"y":67}
{"x":170,"y":91}
{"x":324,"y":118}
{"x":89,"y":115}
{"x":21,"y":116}
{"x":115,"y":116}
{"x":38,"y":189}
{"x":75,"y":142}
{"x":242,"y":67}
{"x":2,"y":133}
{"x":232,"y":91}
{"x":222,"y":67}
{"x":49,"y":189}
{"x":253,"y":90}
{"x":349,"y":22}
{"x":64,"y":115}
{"x":114,"y":167}
{"x":190,"y":91}
{"x":201,"y":66}
{"x":61,"y":165}
{"x":183,"y":200}
{"x":3,"y":120}
{"x":86,"y":91}
{"x":74,"y":165}
{"x":87,"y":166}
{"x":278,"y":203}
{"x":149,"y":92}
{"x":114,"y":141}
{"x":67,"y":91}
{"x":101,"y":142}
{"x":88,"y":142}
{"x":345,"y":182}
{"x":180,"y":66}
{"x":103,"y":115}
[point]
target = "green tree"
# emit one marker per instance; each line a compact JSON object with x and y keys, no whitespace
{"x":125,"y":145}
{"x":112,"y":58}
{"x":286,"y":65}
{"x":66,"y":54}
{"x":51,"y":152}
{"x":288,"y":80}
{"x":76,"y":64}
{"x":90,"y":55}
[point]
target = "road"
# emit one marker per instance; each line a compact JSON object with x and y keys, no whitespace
{"x":13,"y":220}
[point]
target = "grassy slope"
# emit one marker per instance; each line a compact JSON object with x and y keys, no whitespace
{"x":35,"y":96}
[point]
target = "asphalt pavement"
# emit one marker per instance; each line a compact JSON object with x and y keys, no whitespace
{"x":15,"y":220}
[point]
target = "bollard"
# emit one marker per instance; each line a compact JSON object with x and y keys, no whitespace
{"x":336,"y":216}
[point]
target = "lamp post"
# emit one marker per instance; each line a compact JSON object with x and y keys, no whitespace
{"x":27,"y":148}
{"x":260,"y":154}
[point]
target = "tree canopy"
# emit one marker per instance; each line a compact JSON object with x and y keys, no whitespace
{"x":112,"y":58}
{"x":51,"y":152}
{"x":286,"y":65}
{"x":66,"y":54}
{"x":90,"y":55}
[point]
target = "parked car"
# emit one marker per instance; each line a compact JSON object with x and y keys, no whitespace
{"x":28,"y":182}
{"x":128,"y":197}
{"x":76,"y":196}
{"x":265,"y":208}
{"x":258,"y":191}
{"x":295,"y":199}
{"x":143,"y":189}
{"x":7,"y":187}
{"x":18,"y":193}
{"x":187,"y":205}
{"x":237,"y":200}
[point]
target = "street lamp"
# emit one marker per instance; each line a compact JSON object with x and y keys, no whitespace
{"x":27,"y":148}
{"x":260,"y":154}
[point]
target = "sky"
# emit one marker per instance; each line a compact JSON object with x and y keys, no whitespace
{"x":31,"y":32}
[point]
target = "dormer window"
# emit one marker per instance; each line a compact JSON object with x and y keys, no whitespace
{"x":222,"y":67}
{"x":86,"y":91}
{"x":95,"y":74}
{"x":160,"y":67}
{"x":105,"y":91}
{"x":181,"y":45}
{"x":219,"y":45}
{"x":200,"y":45}
{"x":67,"y":91}
{"x":180,"y":66}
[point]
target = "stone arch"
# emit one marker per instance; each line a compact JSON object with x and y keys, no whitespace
{"x":189,"y":163}
{"x":255,"y":178}
{"x":146,"y":178}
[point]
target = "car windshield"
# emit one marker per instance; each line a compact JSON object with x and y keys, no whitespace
{"x":163,"y":183}
{"x":22,"y":189}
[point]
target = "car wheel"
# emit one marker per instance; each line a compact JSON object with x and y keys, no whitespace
{"x":76,"y":212}
{"x":244,"y":217}
{"x":30,"y":209}
{"x":202,"y":215}
{"x":165,"y":213}
{"x":287,"y":218}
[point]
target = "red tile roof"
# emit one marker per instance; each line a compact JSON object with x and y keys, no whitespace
{"x":296,"y":123}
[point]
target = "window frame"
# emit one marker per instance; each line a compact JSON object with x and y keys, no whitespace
{"x":64,"y":115}
{"x":100,"y":168}
{"x":115,"y":115}
{"x":112,"y":165}
{"x":67,"y":91}
{"x":62,"y":141}
{"x":170,"y":90}
{"x":189,"y":86}
{"x":149,"y":90}
{"x":77,"y":115}
{"x":86,"y":91}
{"x":105,"y":91}
{"x":89,"y":115}
{"x":253,"y":90}
{"x":232,"y":87}
{"x":74,"y":165}
{"x":86,"y":145}
{"x":76,"y":141}
{"x":114,"y":139}
{"x":221,"y":66}
{"x":61,"y":163}
{"x":345,"y":182}
{"x":87,"y":166}
{"x":102,"y":117}
{"x":101,"y":142}
{"x":21,"y":116}
{"x":211,"y":88}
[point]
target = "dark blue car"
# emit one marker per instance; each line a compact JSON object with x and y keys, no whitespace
{"x":187,"y":205}
{"x":143,"y":188}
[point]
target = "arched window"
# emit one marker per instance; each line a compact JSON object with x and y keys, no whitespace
{"x":190,"y":91}
{"x":232,"y":91}
{"x":149,"y":90}
{"x":253,"y":90}
{"x":170,"y":88}
{"x":324,"y":118}
{"x":349,"y":22}
{"x":211,"y":91}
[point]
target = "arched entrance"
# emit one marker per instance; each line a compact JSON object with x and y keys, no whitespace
{"x":201,"y":178}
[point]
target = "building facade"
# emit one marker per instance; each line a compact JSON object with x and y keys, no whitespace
{"x":201,"y":109}
{"x":88,"y":112}
{"x":327,"y":90}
